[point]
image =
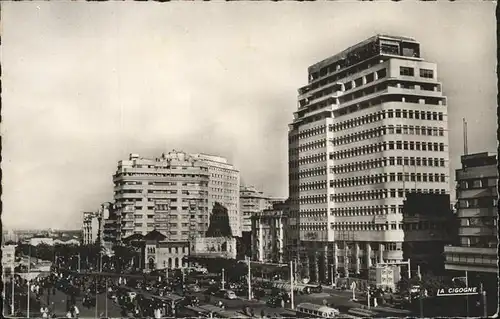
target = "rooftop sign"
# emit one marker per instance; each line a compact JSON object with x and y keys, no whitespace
{"x":463,"y":291}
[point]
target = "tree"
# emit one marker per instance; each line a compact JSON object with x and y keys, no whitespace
{"x":219,"y":222}
{"x":123,"y":256}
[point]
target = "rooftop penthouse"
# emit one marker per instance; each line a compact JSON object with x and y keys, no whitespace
{"x":355,"y":57}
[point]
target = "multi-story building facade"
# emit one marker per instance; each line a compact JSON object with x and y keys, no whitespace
{"x":477,"y":198}
{"x":252,"y":201}
{"x":91,"y":229}
{"x":168,"y":194}
{"x":110,"y":227}
{"x":475,"y":257}
{"x":371,"y":125}
{"x":269,"y":228}
{"x":223,"y":188}
{"x":8,"y":259}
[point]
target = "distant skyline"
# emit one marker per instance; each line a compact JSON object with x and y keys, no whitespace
{"x":85,"y":84}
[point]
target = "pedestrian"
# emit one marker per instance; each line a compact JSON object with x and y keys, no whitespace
{"x":45,"y":313}
{"x":77,"y":312}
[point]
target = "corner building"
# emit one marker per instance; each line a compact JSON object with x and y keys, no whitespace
{"x":371,"y":125}
{"x":167,"y":194}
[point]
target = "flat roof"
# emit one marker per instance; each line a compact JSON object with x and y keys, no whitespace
{"x":343,"y":53}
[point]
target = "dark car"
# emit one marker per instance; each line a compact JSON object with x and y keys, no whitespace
{"x":212,"y":290}
{"x":274,"y":301}
{"x":191,"y":301}
{"x":259,"y":293}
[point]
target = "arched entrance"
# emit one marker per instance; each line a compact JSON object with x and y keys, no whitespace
{"x":151,"y":264}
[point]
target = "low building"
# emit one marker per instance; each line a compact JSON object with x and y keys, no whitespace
{"x":68,"y":242}
{"x":35,"y":241}
{"x":384,"y":276}
{"x":159,"y":253}
{"x":429,"y":225}
{"x":268,"y":234}
{"x":214,"y":247}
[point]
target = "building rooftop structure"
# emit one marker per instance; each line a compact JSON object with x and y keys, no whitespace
{"x":371,"y":125}
{"x":353,"y":55}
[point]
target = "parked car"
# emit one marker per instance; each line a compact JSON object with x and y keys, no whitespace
{"x":273,"y":302}
{"x":194,"y":288}
{"x":229,"y":294}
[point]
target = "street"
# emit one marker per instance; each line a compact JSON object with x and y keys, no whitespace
{"x":58,"y":302}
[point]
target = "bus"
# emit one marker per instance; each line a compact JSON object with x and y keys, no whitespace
{"x":310,"y":310}
{"x":211,"y":311}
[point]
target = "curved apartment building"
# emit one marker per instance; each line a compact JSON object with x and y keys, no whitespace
{"x":371,"y":125}
{"x":169,"y":194}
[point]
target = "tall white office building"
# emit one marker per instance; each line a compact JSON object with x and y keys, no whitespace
{"x":371,"y":125}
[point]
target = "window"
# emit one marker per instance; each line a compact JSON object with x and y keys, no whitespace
{"x":406,"y":71}
{"x":425,"y":73}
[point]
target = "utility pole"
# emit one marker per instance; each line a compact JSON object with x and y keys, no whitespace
{"x":4,"y":292}
{"x":421,"y":292}
{"x":222,"y":279}
{"x":368,"y":296}
{"x":96,"y":285}
{"x":465,"y":136}
{"x":291,"y":285}
{"x":106,"y":297}
{"x":333,"y":275}
{"x":13,"y":288}
{"x":96,"y":298}
{"x":249,"y":280}
{"x":467,"y":297}
{"x":485,"y":305}
{"x":29,"y":280}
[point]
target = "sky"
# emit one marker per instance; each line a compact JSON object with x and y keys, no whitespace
{"x":85,"y":84}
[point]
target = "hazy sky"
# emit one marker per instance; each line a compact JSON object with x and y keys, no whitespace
{"x":85,"y":84}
